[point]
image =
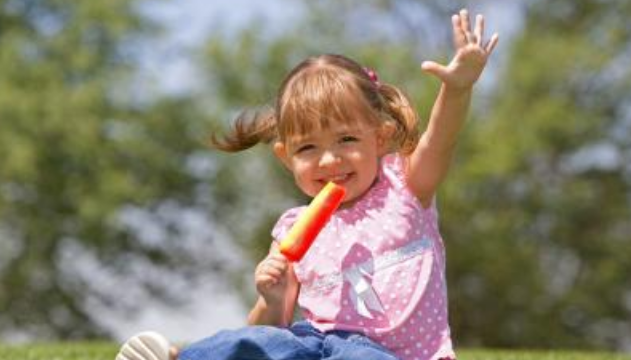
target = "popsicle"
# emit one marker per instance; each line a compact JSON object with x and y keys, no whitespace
{"x":311,"y":221}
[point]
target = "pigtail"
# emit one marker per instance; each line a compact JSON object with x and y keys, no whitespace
{"x":250,"y":128}
{"x":399,"y":108}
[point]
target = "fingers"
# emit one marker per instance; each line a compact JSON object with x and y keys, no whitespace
{"x":464,"y":21}
{"x":271,"y":269}
{"x":478,"y":31}
{"x":275,"y":265}
{"x":462,"y":29}
{"x":460,"y":39}
{"x":435,"y":69}
{"x":492,"y":43}
{"x":465,"y":35}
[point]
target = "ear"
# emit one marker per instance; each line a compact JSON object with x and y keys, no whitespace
{"x":280,"y":150}
{"x":384,"y":137}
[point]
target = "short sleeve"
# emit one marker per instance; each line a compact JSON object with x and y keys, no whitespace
{"x":285,"y":222}
{"x":393,"y":167}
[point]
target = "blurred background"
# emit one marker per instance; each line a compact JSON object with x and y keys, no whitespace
{"x":115,"y":217}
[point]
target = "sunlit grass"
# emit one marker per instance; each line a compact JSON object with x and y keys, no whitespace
{"x":60,"y":351}
{"x":107,"y":351}
{"x":538,"y":355}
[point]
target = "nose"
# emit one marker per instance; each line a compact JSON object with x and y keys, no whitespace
{"x":329,"y":158}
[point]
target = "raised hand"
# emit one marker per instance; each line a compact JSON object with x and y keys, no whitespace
{"x":472,"y":53}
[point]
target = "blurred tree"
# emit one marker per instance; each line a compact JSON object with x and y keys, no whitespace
{"x":83,"y":153}
{"x":537,"y":212}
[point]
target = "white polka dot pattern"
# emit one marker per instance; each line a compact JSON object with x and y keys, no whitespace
{"x":394,"y":243}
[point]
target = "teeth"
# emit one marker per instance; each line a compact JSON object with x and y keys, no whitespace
{"x":338,"y":178}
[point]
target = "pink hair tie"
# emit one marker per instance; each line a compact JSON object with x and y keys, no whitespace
{"x":372,"y":75}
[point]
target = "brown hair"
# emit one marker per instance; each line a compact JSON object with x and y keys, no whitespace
{"x":319,"y":92}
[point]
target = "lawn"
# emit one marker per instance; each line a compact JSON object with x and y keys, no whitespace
{"x":60,"y":351}
{"x":107,"y":351}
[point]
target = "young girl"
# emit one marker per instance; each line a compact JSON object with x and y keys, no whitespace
{"x":373,"y":284}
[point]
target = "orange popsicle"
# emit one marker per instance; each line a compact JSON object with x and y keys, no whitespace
{"x":311,"y":221}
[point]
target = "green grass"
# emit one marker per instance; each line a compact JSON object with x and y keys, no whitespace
{"x":60,"y":351}
{"x":107,"y":351}
{"x":538,"y":355}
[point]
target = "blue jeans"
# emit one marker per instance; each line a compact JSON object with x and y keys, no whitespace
{"x":301,"y":341}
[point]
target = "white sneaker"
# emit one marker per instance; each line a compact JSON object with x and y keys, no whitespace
{"x":148,"y":345}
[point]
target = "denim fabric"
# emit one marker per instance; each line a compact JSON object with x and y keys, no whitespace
{"x":301,"y":341}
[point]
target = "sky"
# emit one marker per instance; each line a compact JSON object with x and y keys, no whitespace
{"x":188,"y":23}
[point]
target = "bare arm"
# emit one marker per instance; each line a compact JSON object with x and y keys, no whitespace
{"x":428,"y":165}
{"x":278,"y":290}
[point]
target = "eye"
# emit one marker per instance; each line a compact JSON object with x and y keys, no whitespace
{"x":349,"y":138}
{"x":305,"y":147}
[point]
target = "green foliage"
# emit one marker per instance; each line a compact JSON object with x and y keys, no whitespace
{"x":75,"y":152}
{"x":536,"y":214}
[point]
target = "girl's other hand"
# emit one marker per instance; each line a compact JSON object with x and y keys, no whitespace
{"x":472,"y":53}
{"x":271,"y":277}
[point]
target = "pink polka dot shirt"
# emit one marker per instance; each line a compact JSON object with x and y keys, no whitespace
{"x":378,"y":268}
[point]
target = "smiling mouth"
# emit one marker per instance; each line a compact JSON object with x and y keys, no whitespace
{"x":338,"y":179}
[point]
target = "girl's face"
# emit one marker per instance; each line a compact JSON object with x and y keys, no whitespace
{"x":347,"y":155}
